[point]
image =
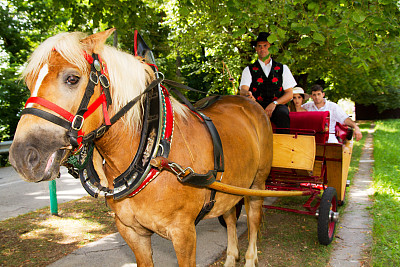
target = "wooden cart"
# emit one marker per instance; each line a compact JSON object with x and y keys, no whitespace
{"x":304,"y":161}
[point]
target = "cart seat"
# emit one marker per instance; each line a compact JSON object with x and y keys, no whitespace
{"x":311,"y":122}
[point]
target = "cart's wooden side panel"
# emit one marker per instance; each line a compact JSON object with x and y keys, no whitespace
{"x":346,"y":158}
{"x":338,"y":161}
{"x":293,"y":151}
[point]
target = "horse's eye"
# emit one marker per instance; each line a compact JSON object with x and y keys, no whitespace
{"x":72,"y":79}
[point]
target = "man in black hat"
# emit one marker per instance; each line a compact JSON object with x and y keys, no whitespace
{"x":270,"y":83}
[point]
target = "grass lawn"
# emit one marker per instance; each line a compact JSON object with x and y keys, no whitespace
{"x":386,"y":208}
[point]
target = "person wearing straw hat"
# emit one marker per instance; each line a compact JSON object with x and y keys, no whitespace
{"x":270,"y":83}
{"x":299,"y":98}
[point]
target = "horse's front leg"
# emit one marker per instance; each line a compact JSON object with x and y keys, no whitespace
{"x":232,"y":251}
{"x":138,"y":241}
{"x":184,"y":240}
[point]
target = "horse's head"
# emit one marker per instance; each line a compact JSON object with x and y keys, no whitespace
{"x":59,"y":72}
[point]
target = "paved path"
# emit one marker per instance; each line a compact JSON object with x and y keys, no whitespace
{"x":354,"y":233}
{"x":112,"y":251}
{"x":19,"y":197}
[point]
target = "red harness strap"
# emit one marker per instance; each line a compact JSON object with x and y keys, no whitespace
{"x":47,"y":104}
{"x":64,"y":113}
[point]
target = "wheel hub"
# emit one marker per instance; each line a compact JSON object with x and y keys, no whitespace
{"x":333,"y":216}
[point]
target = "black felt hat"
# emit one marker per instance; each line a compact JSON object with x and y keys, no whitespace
{"x":262,"y":36}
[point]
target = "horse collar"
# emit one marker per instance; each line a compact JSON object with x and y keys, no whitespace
{"x":156,"y":138}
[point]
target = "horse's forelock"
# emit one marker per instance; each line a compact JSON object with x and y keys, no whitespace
{"x":68,"y":45}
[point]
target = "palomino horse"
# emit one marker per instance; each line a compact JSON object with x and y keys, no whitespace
{"x":59,"y":71}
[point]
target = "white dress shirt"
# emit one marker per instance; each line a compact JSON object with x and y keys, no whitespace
{"x":336,"y":114}
{"x":288,"y":80}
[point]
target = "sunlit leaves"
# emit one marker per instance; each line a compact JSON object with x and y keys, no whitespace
{"x":272,"y":38}
{"x":304,"y":42}
{"x":318,"y":38}
{"x":239,"y":33}
{"x":340,"y":39}
{"x":358,"y":16}
{"x":225,"y":20}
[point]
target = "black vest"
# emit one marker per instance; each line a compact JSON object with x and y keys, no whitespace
{"x":266,"y":89}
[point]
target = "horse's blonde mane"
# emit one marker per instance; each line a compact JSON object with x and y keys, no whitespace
{"x":128,"y":76}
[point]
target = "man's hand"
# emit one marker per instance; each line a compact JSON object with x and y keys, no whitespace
{"x":250,"y":95}
{"x":270,"y":108}
{"x":357,"y":133}
{"x":244,"y":91}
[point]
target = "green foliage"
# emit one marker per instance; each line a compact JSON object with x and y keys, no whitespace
{"x":351,"y":47}
{"x":25,"y":24}
{"x":12,"y":97}
{"x":347,"y":45}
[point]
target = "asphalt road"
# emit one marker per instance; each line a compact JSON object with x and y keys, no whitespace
{"x":19,"y":197}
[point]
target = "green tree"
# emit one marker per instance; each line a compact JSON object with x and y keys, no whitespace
{"x":25,"y":24}
{"x":350,"y":46}
{"x":14,"y":50}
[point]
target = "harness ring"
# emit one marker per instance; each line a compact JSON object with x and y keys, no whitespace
{"x":93,"y":77}
{"x":104,"y":81}
{"x":74,"y":121}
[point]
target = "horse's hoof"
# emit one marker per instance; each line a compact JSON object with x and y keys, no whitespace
{"x":230,"y":261}
{"x":251,"y":263}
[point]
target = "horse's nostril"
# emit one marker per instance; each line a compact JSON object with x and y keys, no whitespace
{"x":32,"y":157}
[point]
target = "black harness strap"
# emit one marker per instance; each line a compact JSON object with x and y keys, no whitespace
{"x":47,"y":116}
{"x":218,"y":151}
{"x":83,"y":107}
{"x":210,"y":177}
{"x":206,"y":208}
{"x":103,"y":128}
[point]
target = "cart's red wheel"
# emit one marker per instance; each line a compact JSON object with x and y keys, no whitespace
{"x":327,"y":216}
{"x":238,"y":211}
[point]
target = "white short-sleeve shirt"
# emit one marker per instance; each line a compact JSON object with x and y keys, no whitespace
{"x":288,"y":80}
{"x":336,"y":114}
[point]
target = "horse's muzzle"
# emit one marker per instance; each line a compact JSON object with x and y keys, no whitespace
{"x":36,"y":161}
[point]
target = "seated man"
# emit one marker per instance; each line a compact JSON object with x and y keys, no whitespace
{"x":270,"y":83}
{"x":336,"y":113}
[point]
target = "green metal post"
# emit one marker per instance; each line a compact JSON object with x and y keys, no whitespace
{"x":53,"y":197}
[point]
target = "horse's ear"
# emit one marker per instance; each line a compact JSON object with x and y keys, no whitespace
{"x":95,"y":42}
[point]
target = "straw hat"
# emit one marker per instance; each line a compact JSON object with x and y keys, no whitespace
{"x":299,"y":90}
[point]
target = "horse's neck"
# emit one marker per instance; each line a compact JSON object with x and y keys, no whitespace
{"x":118,"y":148}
